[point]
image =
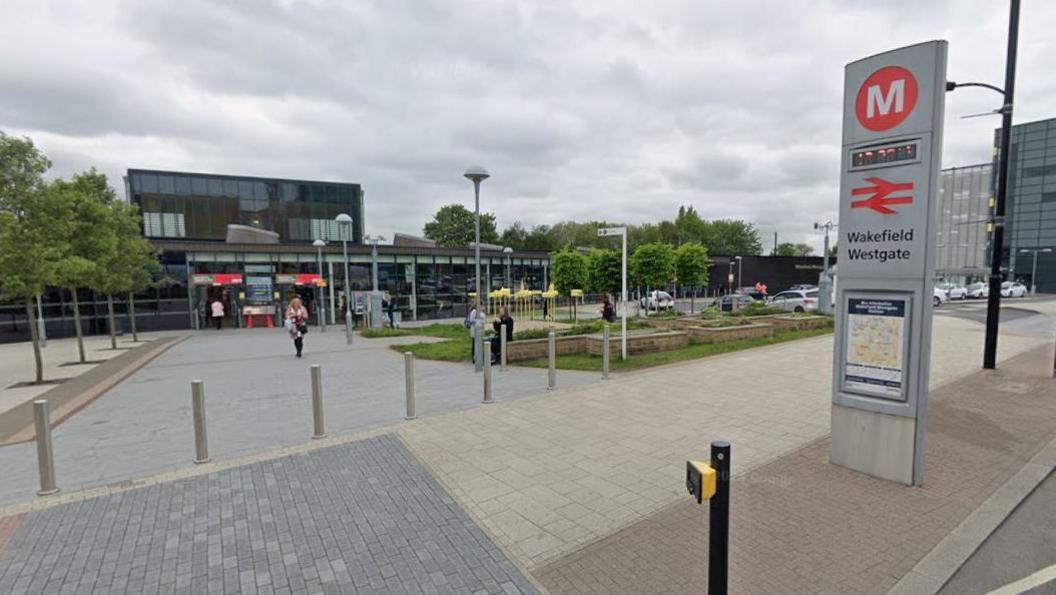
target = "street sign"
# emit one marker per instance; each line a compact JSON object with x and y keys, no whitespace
{"x":892,"y":144}
{"x":612,"y":231}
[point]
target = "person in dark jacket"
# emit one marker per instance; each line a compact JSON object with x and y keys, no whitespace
{"x":502,"y":324}
{"x":608,"y":313}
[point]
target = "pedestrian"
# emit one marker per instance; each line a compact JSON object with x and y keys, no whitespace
{"x":471,"y":323}
{"x":217,"y":308}
{"x":608,"y":313}
{"x":390,"y":309}
{"x":297,"y":323}
{"x":502,"y":324}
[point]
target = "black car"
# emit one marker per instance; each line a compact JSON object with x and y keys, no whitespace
{"x":731,"y":302}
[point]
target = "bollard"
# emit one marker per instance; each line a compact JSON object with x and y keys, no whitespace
{"x":408,"y":372}
{"x":605,"y":352}
{"x":45,"y":460}
{"x":719,"y":520}
{"x":487,"y":379}
{"x":502,"y":349}
{"x":551,"y":360}
{"x":317,"y":402}
{"x":478,"y":342}
{"x":349,"y":331}
{"x":195,"y":320}
{"x":201,"y":441}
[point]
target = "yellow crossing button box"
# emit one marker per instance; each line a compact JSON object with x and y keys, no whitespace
{"x":700,"y":480}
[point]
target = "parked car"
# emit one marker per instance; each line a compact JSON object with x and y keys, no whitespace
{"x":657,"y":300}
{"x":731,"y":302}
{"x":803,"y":287}
{"x":954,"y":291}
{"x":753,"y":293}
{"x":1013,"y":289}
{"x":938,"y":296}
{"x":796,"y":300}
{"x":979,"y":290}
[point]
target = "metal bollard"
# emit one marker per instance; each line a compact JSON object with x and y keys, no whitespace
{"x":201,"y":441}
{"x":408,"y":372}
{"x":487,"y":379}
{"x":317,"y":402}
{"x":349,"y":331}
{"x":45,"y":460}
{"x":502,"y":349}
{"x":195,"y":320}
{"x":551,"y":357}
{"x":605,"y":352}
{"x":719,"y":520}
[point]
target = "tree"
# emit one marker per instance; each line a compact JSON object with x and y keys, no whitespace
{"x":653,"y":265}
{"x":689,"y":227}
{"x":790,"y":249}
{"x":518,"y":237}
{"x":568,"y":270}
{"x":27,"y":250}
{"x":453,"y":225}
{"x":691,"y":266}
{"x":731,"y":237}
{"x":604,"y":271}
{"x":82,"y":206}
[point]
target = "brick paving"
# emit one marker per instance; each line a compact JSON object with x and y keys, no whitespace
{"x":801,"y":525}
{"x":357,"y":517}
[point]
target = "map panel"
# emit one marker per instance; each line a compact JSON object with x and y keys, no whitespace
{"x":875,"y":347}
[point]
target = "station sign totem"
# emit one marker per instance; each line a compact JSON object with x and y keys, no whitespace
{"x":892,"y":143}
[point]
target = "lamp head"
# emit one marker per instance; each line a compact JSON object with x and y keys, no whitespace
{"x":477,"y":174}
{"x":343,"y":218}
{"x":318,"y":243}
{"x":507,"y":250}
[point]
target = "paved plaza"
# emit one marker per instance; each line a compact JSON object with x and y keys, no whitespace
{"x":580,"y":490}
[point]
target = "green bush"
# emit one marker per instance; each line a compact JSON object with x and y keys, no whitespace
{"x":758,"y":309}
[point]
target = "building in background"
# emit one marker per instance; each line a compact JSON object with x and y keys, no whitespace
{"x":964,"y":209}
{"x":1030,"y":210}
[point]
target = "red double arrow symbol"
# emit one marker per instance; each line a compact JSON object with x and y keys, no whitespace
{"x":879,"y":200}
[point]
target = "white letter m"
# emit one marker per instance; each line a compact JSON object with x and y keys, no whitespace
{"x":883,"y":104}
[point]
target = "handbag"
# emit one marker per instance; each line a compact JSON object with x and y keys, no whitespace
{"x":302,"y":328}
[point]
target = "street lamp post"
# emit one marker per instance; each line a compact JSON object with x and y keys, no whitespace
{"x":1034,"y":268}
{"x":993,"y":304}
{"x":621,"y":231}
{"x":477,"y":174}
{"x":740,"y":265}
{"x":345,"y":225}
{"x":318,"y":287}
{"x":509,"y":278}
{"x":824,"y":283}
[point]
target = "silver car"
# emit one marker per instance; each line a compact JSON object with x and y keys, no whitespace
{"x":796,"y":300}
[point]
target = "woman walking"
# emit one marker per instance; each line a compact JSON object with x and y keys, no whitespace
{"x":297,"y":315}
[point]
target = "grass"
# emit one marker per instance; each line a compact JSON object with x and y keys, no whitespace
{"x":443,"y":331}
{"x":592,"y":363}
{"x":455,"y":350}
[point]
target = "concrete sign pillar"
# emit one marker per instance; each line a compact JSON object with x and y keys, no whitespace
{"x":892,"y":144}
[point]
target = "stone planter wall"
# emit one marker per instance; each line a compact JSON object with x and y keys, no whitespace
{"x":525,"y":349}
{"x":719,"y":334}
{"x":799,"y":323}
{"x":639,"y":343}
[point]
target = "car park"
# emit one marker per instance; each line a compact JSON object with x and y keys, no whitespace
{"x":1013,"y":289}
{"x":731,"y":302}
{"x":954,"y":291}
{"x":978,"y":291}
{"x":658,"y":300}
{"x":796,"y":300}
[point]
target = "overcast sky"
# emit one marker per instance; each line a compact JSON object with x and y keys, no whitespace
{"x":614,"y":109}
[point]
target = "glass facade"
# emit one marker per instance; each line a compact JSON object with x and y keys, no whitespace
{"x":964,"y":208}
{"x":1030,"y":209}
{"x":191,"y":206}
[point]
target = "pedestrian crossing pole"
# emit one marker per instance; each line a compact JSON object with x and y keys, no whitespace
{"x":711,"y":482}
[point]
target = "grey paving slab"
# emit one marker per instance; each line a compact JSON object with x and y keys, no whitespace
{"x":257,"y":397}
{"x":358,"y":517}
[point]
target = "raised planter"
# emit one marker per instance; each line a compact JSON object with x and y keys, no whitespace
{"x":790,"y":321}
{"x":675,"y":324}
{"x":526,"y":349}
{"x":639,"y":342}
{"x":719,"y":334}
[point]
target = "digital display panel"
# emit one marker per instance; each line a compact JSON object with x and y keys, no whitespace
{"x":882,"y":155}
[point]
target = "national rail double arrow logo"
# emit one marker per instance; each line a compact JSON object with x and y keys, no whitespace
{"x":879,"y":201}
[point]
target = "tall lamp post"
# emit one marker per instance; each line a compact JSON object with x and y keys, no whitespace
{"x":740,"y":264}
{"x":344,"y":222}
{"x":477,"y":174}
{"x":1034,"y":268}
{"x":509,"y":277}
{"x":318,"y":287}
{"x":621,"y":231}
{"x":993,"y":304}
{"x":825,"y":282}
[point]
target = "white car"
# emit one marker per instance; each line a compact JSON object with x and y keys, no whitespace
{"x":979,"y":290}
{"x":1013,"y":289}
{"x":954,"y":291}
{"x":795,"y":300}
{"x":658,"y":300}
{"x":938,"y":297}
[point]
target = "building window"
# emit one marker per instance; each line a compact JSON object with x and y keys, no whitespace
{"x":163,"y":225}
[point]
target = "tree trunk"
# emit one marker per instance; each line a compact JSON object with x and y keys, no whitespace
{"x":77,"y":324}
{"x":110,"y":316}
{"x":692,"y":296}
{"x":132,"y":316}
{"x":36,"y":340}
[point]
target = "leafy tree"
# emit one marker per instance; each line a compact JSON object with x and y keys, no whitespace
{"x":691,"y":266}
{"x":689,"y":227}
{"x":604,"y":271}
{"x":653,"y":265}
{"x":790,"y":249}
{"x":518,"y":237}
{"x":82,"y":208}
{"x":453,"y":225}
{"x":28,"y":251}
{"x":731,"y":237}
{"x":568,"y":270}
